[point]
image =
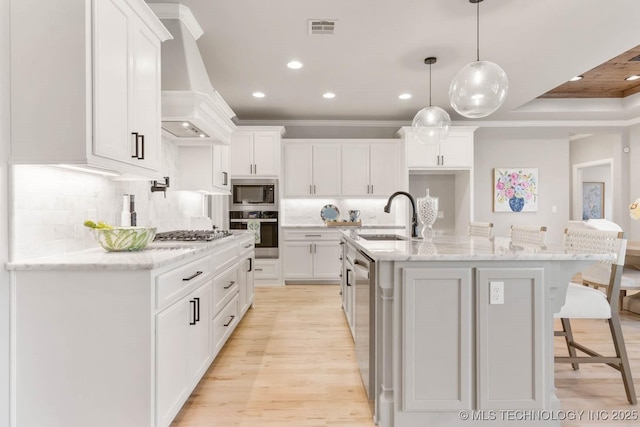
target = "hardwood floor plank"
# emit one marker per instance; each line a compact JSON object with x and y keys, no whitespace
{"x":291,"y":363}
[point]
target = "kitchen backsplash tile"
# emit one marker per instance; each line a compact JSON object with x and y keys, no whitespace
{"x":51,"y":204}
{"x":307,"y":211}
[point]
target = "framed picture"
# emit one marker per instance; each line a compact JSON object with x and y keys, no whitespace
{"x":592,"y":200}
{"x":515,"y":190}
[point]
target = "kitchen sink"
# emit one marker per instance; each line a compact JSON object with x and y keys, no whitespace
{"x":382,"y":237}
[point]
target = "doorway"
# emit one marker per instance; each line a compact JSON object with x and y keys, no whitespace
{"x":592,"y":180}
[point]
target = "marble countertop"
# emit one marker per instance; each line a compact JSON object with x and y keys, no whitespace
{"x":365,"y":226}
{"x":156,"y":255}
{"x":460,"y":248}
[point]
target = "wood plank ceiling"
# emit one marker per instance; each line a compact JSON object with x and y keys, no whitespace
{"x":604,"y":81}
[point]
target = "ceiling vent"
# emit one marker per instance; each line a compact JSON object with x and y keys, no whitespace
{"x":321,"y":26}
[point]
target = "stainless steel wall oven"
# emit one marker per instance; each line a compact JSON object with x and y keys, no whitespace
{"x":266,"y":223}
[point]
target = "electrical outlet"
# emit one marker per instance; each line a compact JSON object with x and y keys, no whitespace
{"x":496,"y":292}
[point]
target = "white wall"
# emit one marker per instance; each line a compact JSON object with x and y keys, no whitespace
{"x":633,"y":158}
{"x":4,"y":213}
{"x":550,"y":156}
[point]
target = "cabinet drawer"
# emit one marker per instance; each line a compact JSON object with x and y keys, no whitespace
{"x":176,"y":283}
{"x":266,"y":269}
{"x":246,"y":245}
{"x":224,"y":324}
{"x":311,"y":234}
{"x":225,"y":286}
{"x":224,"y":258}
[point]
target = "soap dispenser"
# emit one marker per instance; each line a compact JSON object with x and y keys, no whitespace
{"x":125,"y":216}
{"x":132,"y":210}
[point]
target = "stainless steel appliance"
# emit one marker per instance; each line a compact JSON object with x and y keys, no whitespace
{"x":364,"y":319}
{"x":191,"y":235}
{"x":254,"y":194}
{"x":267,"y":247}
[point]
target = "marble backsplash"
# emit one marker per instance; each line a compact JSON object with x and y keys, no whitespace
{"x":50,"y":206}
{"x":307,"y":211}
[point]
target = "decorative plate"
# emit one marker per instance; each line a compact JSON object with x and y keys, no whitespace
{"x":329,"y":213}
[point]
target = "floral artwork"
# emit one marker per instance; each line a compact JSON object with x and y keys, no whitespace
{"x":515,"y":190}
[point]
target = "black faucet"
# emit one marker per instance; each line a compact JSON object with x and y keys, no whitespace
{"x":414,"y":217}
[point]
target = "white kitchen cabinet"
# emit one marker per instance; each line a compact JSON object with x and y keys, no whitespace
{"x":311,"y":169}
{"x":255,"y":152}
{"x":311,"y":255}
{"x":184,"y":352}
{"x":371,"y":169}
{"x":246,"y":273}
{"x":203,"y":168}
{"x":152,"y":332}
{"x":102,"y":89}
{"x":455,"y":152}
{"x":267,"y":271}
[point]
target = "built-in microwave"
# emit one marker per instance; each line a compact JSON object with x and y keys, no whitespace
{"x":254,"y":194}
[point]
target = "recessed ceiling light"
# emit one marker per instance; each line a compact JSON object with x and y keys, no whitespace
{"x":295,"y":65}
{"x":632,"y":78}
{"x":258,"y":95}
{"x":575,"y":79}
{"x":404,"y":96}
{"x":329,"y":95}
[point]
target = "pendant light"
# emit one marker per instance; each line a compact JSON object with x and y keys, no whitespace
{"x":479,"y":88}
{"x":431,"y":124}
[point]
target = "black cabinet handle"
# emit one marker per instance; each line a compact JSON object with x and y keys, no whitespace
{"x":192,"y":302}
{"x":348,"y":270}
{"x":141,"y":148}
{"x":197,"y":315}
{"x":231,"y":283}
{"x":250,"y":265}
{"x":135,"y":145}
{"x":196,"y":274}
{"x":230,"y":320}
{"x":225,"y":178}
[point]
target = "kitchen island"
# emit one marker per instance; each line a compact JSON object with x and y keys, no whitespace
{"x":463,"y":329}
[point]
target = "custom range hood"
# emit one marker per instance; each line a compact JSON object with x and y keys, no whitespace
{"x":192,"y":110}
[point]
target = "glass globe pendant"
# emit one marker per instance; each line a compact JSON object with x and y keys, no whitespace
{"x":479,"y":88}
{"x":431,"y":124}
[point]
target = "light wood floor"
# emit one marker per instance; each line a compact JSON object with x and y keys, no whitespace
{"x":291,"y":362}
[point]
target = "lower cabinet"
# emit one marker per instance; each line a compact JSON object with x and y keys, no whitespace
{"x":311,"y":255}
{"x":138,"y":340}
{"x":183,"y":350}
{"x":246,"y":281}
{"x":462,"y":352}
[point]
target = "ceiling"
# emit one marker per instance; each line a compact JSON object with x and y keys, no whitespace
{"x":378,"y":48}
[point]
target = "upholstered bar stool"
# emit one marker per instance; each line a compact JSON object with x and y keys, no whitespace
{"x":585,"y":302}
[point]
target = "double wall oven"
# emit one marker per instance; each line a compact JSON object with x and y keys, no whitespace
{"x":254,"y":206}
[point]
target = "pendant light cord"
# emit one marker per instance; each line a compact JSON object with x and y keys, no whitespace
{"x":478,"y":31}
{"x":429,"y":85}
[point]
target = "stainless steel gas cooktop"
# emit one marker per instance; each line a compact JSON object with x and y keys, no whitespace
{"x":191,"y":235}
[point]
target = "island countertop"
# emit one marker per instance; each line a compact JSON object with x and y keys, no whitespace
{"x":459,"y":248}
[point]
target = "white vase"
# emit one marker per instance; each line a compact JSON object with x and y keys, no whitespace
{"x":427,"y":214}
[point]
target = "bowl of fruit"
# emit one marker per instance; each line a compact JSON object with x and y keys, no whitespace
{"x":121,"y":239}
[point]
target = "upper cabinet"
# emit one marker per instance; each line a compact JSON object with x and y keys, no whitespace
{"x":342,"y":167}
{"x":255,"y":152}
{"x":99,"y":106}
{"x":203,"y":168}
{"x":371,"y":169}
{"x":455,"y":152}
{"x":311,"y":169}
